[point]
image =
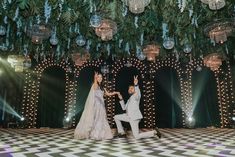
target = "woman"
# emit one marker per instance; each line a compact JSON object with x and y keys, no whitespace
{"x":93,"y":123}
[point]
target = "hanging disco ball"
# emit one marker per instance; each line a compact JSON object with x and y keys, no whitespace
{"x":187,"y":48}
{"x":2,"y":30}
{"x":80,"y":40}
{"x":54,"y":40}
{"x":141,"y":56}
{"x":168,"y":43}
{"x":95,"y":21}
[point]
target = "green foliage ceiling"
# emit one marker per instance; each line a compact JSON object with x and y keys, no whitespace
{"x":186,"y":24}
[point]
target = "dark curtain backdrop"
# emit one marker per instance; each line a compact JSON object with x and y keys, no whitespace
{"x":167,"y":99}
{"x":205,"y":99}
{"x":125,"y":78}
{"x":51,"y":98}
{"x":11,"y":93}
{"x":84,"y":83}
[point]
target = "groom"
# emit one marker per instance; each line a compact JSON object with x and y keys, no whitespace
{"x":133,"y":114}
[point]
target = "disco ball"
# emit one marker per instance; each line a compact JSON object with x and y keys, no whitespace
{"x":141,"y":56}
{"x":80,"y":40}
{"x":187,"y":48}
{"x":168,"y":43}
{"x":95,"y":20}
{"x":54,"y":40}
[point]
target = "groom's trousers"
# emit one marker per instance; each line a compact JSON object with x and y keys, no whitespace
{"x":134,"y":126}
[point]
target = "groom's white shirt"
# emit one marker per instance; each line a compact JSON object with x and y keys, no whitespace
{"x":132,"y":105}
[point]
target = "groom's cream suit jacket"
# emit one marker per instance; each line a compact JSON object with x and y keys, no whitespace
{"x":132,"y":105}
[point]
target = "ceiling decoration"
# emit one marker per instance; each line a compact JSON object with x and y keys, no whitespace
{"x":136,"y":6}
{"x":151,"y":52}
{"x":106,"y":30}
{"x":220,"y":30}
{"x":213,"y":61}
{"x":64,"y":27}
{"x":38,"y":33}
{"x":215,"y":4}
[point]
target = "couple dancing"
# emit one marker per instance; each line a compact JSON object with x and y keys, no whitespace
{"x":93,"y":123}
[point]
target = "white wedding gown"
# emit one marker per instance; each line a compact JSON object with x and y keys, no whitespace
{"x":94,"y":124}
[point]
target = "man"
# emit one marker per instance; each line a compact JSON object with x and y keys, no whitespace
{"x":133,"y":114}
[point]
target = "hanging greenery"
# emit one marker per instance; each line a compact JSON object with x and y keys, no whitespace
{"x":184,"y":20}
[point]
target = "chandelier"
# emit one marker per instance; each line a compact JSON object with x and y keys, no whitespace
{"x":19,"y":62}
{"x":136,"y":6}
{"x":151,"y":51}
{"x":219,"y":30}
{"x":213,"y":61}
{"x":214,"y":4}
{"x":38,"y":33}
{"x":106,"y":30}
{"x":79,"y":58}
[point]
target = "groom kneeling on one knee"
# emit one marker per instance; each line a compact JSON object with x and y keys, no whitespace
{"x":133,"y":114}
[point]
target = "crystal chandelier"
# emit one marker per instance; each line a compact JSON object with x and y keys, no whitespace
{"x":19,"y":62}
{"x":213,"y":61}
{"x":214,"y":4}
{"x":106,"y":30}
{"x":219,"y":30}
{"x":79,"y":58}
{"x":151,"y":51}
{"x":136,"y":6}
{"x":38,"y":33}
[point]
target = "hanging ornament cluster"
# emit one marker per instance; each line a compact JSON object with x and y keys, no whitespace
{"x":106,"y":30}
{"x":219,"y":30}
{"x":136,"y":6}
{"x":79,"y":58}
{"x":213,"y":61}
{"x":168,"y":43}
{"x":19,"y":62}
{"x":38,"y":33}
{"x":151,"y":51}
{"x":2,"y":30}
{"x":214,"y":4}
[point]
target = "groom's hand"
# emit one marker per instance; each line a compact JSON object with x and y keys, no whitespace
{"x":136,"y":80}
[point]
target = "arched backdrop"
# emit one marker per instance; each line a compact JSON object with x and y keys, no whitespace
{"x":147,"y":72}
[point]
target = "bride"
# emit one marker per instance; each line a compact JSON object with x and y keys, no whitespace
{"x":93,"y":123}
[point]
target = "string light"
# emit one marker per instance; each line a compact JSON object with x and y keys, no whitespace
{"x":224,"y":88}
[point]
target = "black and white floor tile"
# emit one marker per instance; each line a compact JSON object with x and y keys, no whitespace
{"x":205,"y":142}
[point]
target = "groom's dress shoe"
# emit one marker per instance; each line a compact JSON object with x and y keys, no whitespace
{"x":157,"y":133}
{"x":120,"y":136}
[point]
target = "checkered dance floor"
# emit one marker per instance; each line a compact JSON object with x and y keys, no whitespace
{"x":174,"y":143}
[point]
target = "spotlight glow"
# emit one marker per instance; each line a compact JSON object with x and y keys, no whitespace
{"x":67,"y":119}
{"x":233,"y":118}
{"x":190,"y":119}
{"x":22,"y":118}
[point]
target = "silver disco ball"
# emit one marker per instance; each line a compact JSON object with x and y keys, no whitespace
{"x":168,"y":43}
{"x":141,"y":56}
{"x":80,"y":40}
{"x":95,"y":20}
{"x":54,"y":40}
{"x":187,"y":48}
